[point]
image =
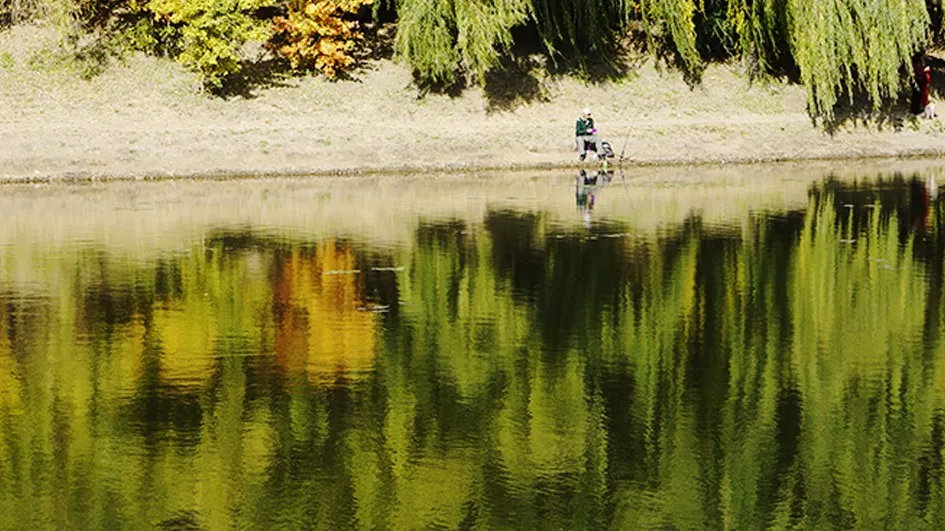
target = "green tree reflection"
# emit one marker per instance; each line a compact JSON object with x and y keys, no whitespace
{"x":504,"y":373}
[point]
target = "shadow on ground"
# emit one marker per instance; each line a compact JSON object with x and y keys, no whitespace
{"x":894,"y":114}
{"x":521,"y":76}
{"x":254,"y":76}
{"x":517,"y":81}
{"x":268,"y":71}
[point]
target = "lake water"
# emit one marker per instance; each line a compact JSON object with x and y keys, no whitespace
{"x":682,"y":348}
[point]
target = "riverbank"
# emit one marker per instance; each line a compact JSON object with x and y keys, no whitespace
{"x":147,"y":117}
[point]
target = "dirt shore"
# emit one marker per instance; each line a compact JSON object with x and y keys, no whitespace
{"x":147,"y":117}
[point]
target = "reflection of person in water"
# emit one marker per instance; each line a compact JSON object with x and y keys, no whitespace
{"x":587,"y":187}
{"x":922,"y":196}
{"x":929,"y":194}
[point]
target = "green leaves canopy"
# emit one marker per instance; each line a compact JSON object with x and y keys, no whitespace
{"x":853,"y":45}
{"x":441,"y":37}
{"x":213,"y":31}
{"x":837,"y":45}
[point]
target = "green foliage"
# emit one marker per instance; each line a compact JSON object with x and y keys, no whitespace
{"x":578,"y":29}
{"x":715,"y":34}
{"x":484,"y":29}
{"x":151,"y":36}
{"x":6,"y":60}
{"x":856,"y":45}
{"x":673,"y":20}
{"x":937,"y":16}
{"x":18,"y":11}
{"x":212,"y":32}
{"x":761,"y":28}
{"x":837,"y":47}
{"x":85,"y":60}
{"x":426,"y":39}
{"x":443,"y":38}
{"x":209,"y":35}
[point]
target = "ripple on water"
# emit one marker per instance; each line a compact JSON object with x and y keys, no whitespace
{"x":416,"y":356}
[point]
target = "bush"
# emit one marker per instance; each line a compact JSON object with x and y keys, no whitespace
{"x":19,"y":11}
{"x":318,"y":35}
{"x":211,"y":33}
{"x":85,"y":60}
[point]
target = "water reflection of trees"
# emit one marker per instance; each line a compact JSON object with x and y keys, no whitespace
{"x":790,"y":374}
{"x":322,"y":326}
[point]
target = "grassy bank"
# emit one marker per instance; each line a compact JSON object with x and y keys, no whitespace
{"x":148,"y":117}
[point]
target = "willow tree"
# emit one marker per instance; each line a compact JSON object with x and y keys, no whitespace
{"x":440,"y":38}
{"x":578,"y":29}
{"x":673,"y":20}
{"x":761,"y":29}
{"x":854,"y":45}
{"x":838,"y":46}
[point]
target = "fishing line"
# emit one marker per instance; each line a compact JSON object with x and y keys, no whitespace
{"x":625,"y":142}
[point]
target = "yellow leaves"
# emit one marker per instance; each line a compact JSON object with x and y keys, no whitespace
{"x":323,"y":330}
{"x":317,"y":36}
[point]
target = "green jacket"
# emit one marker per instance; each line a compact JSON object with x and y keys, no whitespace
{"x":584,"y":126}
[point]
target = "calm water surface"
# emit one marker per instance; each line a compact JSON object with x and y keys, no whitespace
{"x":686,"y":350}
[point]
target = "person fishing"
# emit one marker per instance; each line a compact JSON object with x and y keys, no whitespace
{"x":586,"y":134}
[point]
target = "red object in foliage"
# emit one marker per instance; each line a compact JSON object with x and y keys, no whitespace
{"x":925,"y":81}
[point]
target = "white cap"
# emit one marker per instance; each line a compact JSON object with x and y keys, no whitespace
{"x":587,"y":110}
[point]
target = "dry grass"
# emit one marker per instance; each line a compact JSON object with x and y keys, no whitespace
{"x":147,"y":116}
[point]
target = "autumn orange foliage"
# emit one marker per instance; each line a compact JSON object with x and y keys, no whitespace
{"x":318,"y":35}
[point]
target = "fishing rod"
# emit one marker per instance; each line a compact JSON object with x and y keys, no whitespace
{"x":625,"y":142}
{"x":623,"y":152}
